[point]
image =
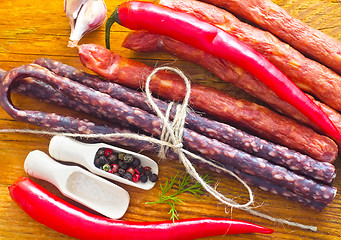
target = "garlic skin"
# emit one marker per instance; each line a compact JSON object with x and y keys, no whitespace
{"x":84,"y":16}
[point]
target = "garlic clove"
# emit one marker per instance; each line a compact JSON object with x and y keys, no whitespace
{"x":71,"y":8}
{"x":84,"y":16}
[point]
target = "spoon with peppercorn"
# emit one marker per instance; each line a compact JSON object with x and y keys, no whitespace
{"x":107,"y":161}
{"x":79,"y":184}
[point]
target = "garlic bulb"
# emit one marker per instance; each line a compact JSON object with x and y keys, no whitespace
{"x":84,"y":16}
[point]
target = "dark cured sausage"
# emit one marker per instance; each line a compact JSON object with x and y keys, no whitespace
{"x":192,"y":141}
{"x":34,"y":88}
{"x":251,"y":116}
{"x":262,"y":184}
{"x":311,"y":76}
{"x":277,"y":154}
{"x":273,"y":18}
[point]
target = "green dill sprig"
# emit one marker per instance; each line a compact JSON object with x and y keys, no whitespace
{"x":184,"y":185}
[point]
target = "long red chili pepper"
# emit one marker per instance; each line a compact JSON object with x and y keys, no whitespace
{"x":209,"y":38}
{"x":63,"y":217}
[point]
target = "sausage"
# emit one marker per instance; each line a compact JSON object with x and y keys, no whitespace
{"x":311,"y":76}
{"x":38,"y":89}
{"x":225,"y":133}
{"x":261,"y":183}
{"x":227,"y":155}
{"x":192,"y":141}
{"x":276,"y":20}
{"x":250,"y":116}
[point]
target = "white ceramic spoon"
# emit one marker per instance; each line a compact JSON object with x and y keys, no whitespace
{"x":80,"y":185}
{"x":70,"y":150}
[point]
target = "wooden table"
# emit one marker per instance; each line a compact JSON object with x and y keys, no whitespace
{"x":32,"y":29}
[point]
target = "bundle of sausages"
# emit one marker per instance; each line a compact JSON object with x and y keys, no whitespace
{"x":304,"y":174}
{"x":270,"y":167}
{"x":309,"y":75}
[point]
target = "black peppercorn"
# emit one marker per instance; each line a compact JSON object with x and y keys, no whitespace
{"x":143,"y":178}
{"x":112,"y":158}
{"x":154,"y":177}
{"x":148,"y":172}
{"x":121,"y":171}
{"x":125,"y":166}
{"x":120,"y":163}
{"x":100,"y":161}
{"x":100,"y":152}
{"x":135,"y":163}
{"x":128,"y":176}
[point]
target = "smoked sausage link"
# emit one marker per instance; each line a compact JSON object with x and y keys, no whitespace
{"x":276,"y":20}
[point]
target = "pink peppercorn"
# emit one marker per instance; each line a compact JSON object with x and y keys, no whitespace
{"x":114,"y":168}
{"x":147,"y":168}
{"x":136,"y":177}
{"x":108,"y":152}
{"x":131,"y":170}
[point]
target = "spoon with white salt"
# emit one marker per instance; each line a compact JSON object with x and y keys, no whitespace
{"x":78,"y":184}
{"x":70,"y":150}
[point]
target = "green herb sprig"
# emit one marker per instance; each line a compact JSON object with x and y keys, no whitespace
{"x":184,"y":185}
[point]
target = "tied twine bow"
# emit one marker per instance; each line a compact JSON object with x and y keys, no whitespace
{"x":172,"y":133}
{"x":171,"y":137}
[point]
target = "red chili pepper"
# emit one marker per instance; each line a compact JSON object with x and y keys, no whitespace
{"x":209,"y":38}
{"x":63,"y":217}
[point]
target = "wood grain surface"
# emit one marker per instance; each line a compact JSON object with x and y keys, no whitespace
{"x":32,"y":29}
